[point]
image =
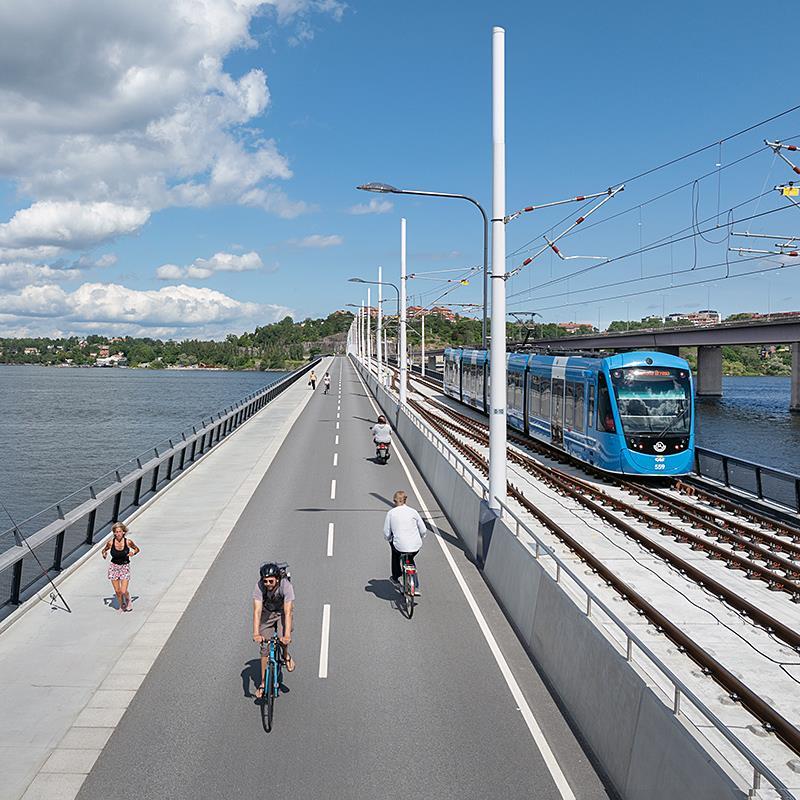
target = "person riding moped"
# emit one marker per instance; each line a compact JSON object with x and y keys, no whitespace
{"x":382,"y":435}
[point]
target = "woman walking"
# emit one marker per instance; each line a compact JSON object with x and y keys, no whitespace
{"x":312,"y":380}
{"x":119,"y":570}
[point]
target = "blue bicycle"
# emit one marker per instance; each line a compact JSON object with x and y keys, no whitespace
{"x":272,"y":678}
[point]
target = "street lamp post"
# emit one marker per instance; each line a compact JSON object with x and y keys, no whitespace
{"x":403,"y":348}
{"x":497,"y":358}
{"x":385,"y":188}
{"x":369,"y":334}
{"x":400,"y":304}
{"x":378,"y":330}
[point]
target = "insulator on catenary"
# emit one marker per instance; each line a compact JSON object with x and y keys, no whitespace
{"x":555,"y":249}
{"x":526,"y":262}
{"x":579,"y":220}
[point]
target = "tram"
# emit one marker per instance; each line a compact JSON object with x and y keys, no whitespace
{"x":629,"y":413}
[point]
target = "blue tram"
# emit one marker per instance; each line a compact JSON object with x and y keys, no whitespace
{"x":629,"y":413}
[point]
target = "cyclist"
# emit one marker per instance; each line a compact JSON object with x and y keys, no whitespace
{"x":273,"y":609}
{"x":326,"y":382}
{"x":404,"y":529}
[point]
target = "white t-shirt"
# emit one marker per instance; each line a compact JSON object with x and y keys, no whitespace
{"x":404,"y":528}
{"x":382,"y":432}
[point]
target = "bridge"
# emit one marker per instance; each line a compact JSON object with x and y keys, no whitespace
{"x":707,"y":339}
{"x":502,"y":684}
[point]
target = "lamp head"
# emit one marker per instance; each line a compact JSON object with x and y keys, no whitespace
{"x":381,"y":188}
{"x":356,"y":280}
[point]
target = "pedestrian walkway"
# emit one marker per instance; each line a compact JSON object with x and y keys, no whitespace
{"x":67,"y":679}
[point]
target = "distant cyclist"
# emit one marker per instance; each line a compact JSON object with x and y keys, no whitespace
{"x":273,"y":609}
{"x":404,"y":529}
{"x":326,"y":382}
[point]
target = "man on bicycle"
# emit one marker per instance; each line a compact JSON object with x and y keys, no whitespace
{"x":404,"y":529}
{"x":273,"y":607}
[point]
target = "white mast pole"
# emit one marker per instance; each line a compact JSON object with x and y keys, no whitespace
{"x":497,"y":364}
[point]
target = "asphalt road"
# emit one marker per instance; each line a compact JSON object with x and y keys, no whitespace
{"x":413,"y":708}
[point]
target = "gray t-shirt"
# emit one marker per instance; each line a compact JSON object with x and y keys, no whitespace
{"x":273,"y":601}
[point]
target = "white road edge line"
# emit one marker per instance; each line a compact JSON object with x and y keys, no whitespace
{"x":323,"y":644}
{"x":330,"y":539}
{"x":333,"y":489}
{"x":519,"y":698}
{"x":335,"y":459}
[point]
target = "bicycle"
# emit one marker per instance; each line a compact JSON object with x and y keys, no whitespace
{"x":410,"y":582}
{"x":273,"y":678}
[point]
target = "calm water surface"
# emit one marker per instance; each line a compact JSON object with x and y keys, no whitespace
{"x":752,"y":420}
{"x":62,"y":428}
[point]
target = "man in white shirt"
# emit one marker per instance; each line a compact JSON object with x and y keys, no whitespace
{"x":404,"y":529}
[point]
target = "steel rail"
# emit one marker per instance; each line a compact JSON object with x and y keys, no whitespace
{"x":737,"y":689}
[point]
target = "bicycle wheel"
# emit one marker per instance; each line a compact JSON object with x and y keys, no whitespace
{"x":268,"y":699}
{"x":408,"y":593}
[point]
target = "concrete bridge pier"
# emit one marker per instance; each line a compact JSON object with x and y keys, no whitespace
{"x":709,"y":371}
{"x":794,"y":403}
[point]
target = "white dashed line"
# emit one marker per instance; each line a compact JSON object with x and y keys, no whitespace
{"x":330,"y":539}
{"x":333,"y":489}
{"x":337,"y":439}
{"x":323,"y":644}
{"x":337,"y":426}
{"x":335,"y":459}
{"x":516,"y":692}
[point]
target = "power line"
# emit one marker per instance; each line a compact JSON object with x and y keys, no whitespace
{"x":677,"y":285}
{"x":657,"y":244}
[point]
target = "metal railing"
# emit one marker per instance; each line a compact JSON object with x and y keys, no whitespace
{"x":631,"y":645}
{"x":58,"y":533}
{"x":758,"y":480}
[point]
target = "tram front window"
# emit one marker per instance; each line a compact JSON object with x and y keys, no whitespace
{"x":653,"y":399}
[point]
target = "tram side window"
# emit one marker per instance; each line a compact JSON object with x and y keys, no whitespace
{"x":569,"y":405}
{"x":579,"y":426}
{"x":534,"y":398}
{"x":546,"y":394}
{"x":590,"y":404}
{"x":605,"y":417}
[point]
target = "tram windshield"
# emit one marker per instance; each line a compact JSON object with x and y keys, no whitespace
{"x":653,"y":399}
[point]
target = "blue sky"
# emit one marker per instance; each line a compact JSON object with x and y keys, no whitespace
{"x":191,"y":170}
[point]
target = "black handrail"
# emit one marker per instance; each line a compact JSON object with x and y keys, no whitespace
{"x":57,"y":542}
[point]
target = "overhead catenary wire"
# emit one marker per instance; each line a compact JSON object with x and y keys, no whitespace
{"x":671,"y":239}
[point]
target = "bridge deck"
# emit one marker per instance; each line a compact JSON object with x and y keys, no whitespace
{"x":421,"y":704}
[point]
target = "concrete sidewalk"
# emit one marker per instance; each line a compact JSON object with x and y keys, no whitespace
{"x":67,"y":679}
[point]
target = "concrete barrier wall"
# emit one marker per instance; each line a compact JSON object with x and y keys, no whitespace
{"x":645,"y":751}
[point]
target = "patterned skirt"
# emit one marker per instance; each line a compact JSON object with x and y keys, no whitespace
{"x":119,"y":572}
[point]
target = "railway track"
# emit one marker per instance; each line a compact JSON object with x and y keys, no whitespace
{"x":455,"y":430}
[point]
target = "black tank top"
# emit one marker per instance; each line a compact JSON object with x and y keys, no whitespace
{"x":120,"y":556}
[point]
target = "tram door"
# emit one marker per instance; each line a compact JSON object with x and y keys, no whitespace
{"x":557,"y":413}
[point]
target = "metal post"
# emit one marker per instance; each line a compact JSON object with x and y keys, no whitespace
{"x":497,"y":362}
{"x":379,"y":324}
{"x":403,"y":352}
{"x":369,"y":325}
{"x":422,"y":365}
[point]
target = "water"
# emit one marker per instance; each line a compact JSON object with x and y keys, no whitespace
{"x":752,"y":421}
{"x":60,"y":429}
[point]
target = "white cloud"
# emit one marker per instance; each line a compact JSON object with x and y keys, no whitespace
{"x":16,"y":275}
{"x":170,"y":311}
{"x":317,"y":240}
{"x":202,"y":268}
{"x":130,"y":104}
{"x":70,"y":224}
{"x":374,"y":206}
